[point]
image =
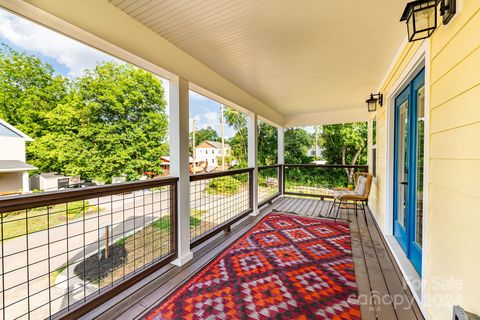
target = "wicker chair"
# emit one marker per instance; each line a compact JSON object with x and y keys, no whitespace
{"x":349,"y":199}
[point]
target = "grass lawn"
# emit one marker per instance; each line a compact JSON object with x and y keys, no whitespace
{"x":16,"y":224}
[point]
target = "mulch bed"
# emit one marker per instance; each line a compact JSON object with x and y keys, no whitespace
{"x":95,"y":268}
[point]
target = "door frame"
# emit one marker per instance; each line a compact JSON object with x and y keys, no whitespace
{"x":419,"y":60}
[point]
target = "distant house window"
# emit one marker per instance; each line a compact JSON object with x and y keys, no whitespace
{"x":213,"y":151}
{"x":213,"y":160}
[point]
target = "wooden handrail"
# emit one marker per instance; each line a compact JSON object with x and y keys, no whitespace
{"x":331,"y":166}
{"x":217,"y":174}
{"x":34,"y":200}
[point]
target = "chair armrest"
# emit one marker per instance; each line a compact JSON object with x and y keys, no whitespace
{"x":342,"y":189}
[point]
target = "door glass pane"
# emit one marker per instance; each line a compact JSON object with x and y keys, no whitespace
{"x":402,"y":163}
{"x":420,"y":157}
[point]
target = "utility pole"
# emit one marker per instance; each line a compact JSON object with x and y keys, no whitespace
{"x":223,"y":137}
{"x":193,"y":143}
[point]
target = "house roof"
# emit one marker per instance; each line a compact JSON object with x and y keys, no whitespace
{"x":15,"y":166}
{"x":7,"y":130}
{"x":167,"y":159}
{"x":214,"y":144}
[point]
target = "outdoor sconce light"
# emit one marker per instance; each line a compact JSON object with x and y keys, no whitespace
{"x":375,"y":98}
{"x":421,"y":17}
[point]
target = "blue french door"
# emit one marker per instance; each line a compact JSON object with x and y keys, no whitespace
{"x":408,"y":176}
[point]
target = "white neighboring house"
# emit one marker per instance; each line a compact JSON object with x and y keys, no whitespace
{"x":314,"y":152}
{"x":13,"y":168}
{"x":210,"y":151}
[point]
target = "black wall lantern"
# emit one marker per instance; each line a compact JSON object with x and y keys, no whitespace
{"x":374,"y":100}
{"x":421,"y":17}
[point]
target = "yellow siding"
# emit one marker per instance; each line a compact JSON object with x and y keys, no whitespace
{"x":453,"y":229}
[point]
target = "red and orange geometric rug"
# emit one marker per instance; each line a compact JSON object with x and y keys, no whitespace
{"x":286,"y":267}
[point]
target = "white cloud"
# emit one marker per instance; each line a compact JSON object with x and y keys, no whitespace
{"x":75,"y":56}
{"x":212,"y":117}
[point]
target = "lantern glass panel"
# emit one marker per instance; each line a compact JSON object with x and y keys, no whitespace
{"x":410,"y":27}
{"x":425,"y":18}
{"x":372,"y":105}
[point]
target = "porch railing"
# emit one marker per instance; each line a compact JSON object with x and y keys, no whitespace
{"x":66,"y":252}
{"x":269,"y":183}
{"x":218,"y":200}
{"x":315,"y":180}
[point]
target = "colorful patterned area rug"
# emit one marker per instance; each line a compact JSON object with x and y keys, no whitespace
{"x":286,"y":267}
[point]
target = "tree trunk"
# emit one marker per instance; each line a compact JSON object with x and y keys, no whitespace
{"x":350,"y":171}
{"x":354,"y":162}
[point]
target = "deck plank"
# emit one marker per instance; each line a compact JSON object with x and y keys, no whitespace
{"x":310,"y":208}
{"x":280,"y":203}
{"x":384,"y":308}
{"x":367,"y":308}
{"x":394,"y":284}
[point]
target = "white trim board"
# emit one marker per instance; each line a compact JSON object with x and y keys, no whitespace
{"x":421,"y":59}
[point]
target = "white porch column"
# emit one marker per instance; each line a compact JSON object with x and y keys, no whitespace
{"x":179,"y":155}
{"x":252,"y":157}
{"x":281,"y":156}
{"x":281,"y":145}
{"x":25,"y":182}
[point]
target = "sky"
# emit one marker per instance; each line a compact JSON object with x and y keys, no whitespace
{"x":70,"y":58}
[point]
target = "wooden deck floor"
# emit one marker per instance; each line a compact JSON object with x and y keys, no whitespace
{"x":379,"y":280}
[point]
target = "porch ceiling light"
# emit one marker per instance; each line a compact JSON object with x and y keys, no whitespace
{"x":421,"y":17}
{"x":374,"y":100}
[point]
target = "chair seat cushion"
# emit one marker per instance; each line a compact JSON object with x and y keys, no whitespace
{"x":341,"y":193}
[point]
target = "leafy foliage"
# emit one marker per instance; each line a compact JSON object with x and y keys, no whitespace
{"x":239,"y":142}
{"x":297,"y":143}
{"x":28,"y":91}
{"x":111,"y":121}
{"x":267,"y":144}
{"x":223,"y":186}
{"x":345,"y":144}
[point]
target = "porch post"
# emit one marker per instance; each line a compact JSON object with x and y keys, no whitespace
{"x":179,"y":161}
{"x":281,"y":158}
{"x":252,"y":159}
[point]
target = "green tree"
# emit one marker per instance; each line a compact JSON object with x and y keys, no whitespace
{"x":108,"y":122}
{"x":28,"y":90}
{"x":267,"y":144}
{"x":121,"y":124}
{"x":239,"y":142}
{"x":345,"y":144}
{"x":297,"y":143}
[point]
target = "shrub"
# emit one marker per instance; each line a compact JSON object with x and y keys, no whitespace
{"x":223,"y":185}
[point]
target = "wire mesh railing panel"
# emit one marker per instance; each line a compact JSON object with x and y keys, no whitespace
{"x":318,"y":180}
{"x":268,"y":182}
{"x":56,"y":256}
{"x":218,"y":199}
